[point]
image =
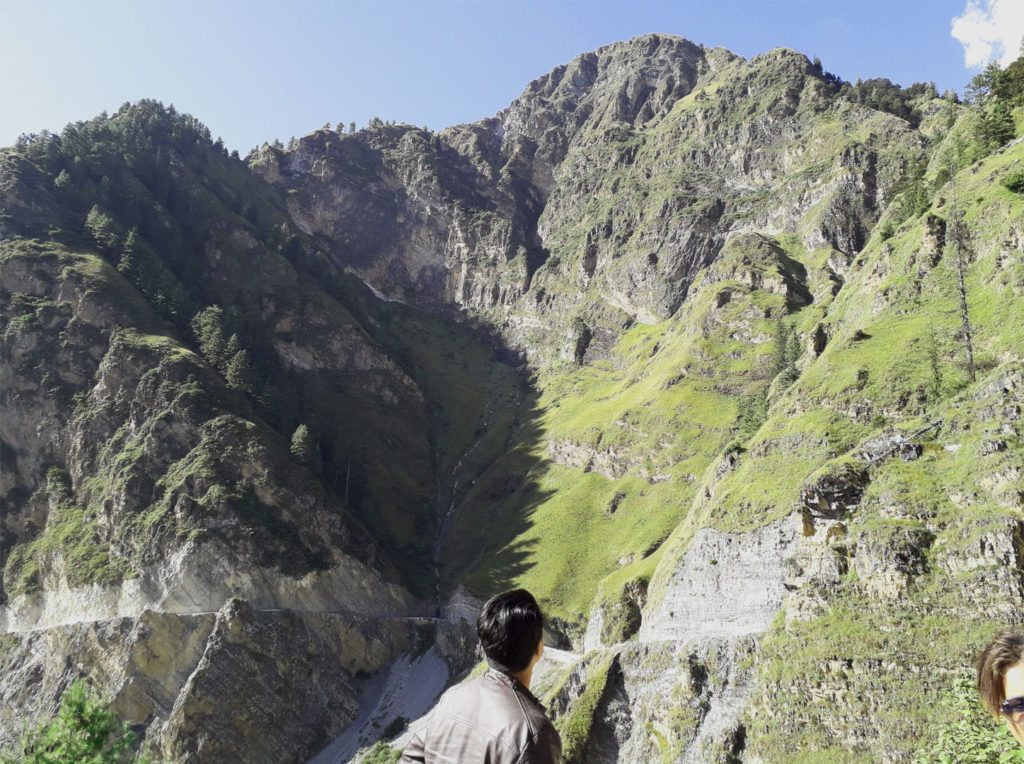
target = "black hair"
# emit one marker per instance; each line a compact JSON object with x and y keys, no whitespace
{"x":510,"y":626}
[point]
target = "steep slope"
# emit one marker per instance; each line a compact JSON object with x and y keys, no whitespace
{"x":868,"y":529}
{"x":137,"y":424}
{"x":587,"y":207}
{"x":821,"y":370}
{"x":919,"y":485}
{"x":672,"y":341}
{"x":165,"y":333}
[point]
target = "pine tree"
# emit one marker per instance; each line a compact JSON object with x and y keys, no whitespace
{"x":232,"y":346}
{"x":238,"y":372}
{"x":82,"y":732}
{"x":753,"y":410}
{"x":127,"y":265}
{"x":303,"y":447}
{"x":787,"y":352}
{"x":101,"y":229}
{"x":915,"y":198}
{"x":208,"y":328}
{"x":1001,"y":128}
{"x":62,"y":181}
{"x":980,"y":87}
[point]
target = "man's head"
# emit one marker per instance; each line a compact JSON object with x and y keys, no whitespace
{"x":510,"y":628}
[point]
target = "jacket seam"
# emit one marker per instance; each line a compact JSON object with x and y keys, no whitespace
{"x":483,"y":732}
{"x":526,"y":715}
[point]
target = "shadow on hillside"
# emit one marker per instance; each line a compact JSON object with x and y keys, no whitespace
{"x":483,"y":427}
{"x":486,"y":545}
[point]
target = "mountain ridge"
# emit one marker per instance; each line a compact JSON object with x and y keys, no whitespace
{"x":636,"y":334}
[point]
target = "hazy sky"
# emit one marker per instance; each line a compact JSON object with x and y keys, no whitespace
{"x":258,"y":70}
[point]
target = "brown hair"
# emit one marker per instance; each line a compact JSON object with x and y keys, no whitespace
{"x":1002,"y":653}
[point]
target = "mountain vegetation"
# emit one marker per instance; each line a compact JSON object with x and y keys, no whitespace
{"x":719,"y":357}
{"x":83,"y":731}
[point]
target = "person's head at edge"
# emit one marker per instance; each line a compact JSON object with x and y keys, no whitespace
{"x":1001,"y":680}
{"x":511,"y":631}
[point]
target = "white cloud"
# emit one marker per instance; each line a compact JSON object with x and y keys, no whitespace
{"x":990,"y":29}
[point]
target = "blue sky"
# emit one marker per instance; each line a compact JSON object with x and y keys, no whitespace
{"x":256,"y":70}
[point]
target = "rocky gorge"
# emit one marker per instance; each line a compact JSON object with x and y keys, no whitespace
{"x":663,"y":341}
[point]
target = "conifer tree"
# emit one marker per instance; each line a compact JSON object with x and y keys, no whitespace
{"x":62,"y":181}
{"x":238,"y":372}
{"x":303,"y":448}
{"x":208,"y":328}
{"x":127,"y":265}
{"x":83,"y":731}
{"x":232,"y":346}
{"x":101,"y":229}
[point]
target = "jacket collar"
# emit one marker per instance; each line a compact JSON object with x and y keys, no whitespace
{"x":500,"y":674}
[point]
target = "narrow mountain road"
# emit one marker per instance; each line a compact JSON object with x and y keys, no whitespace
{"x":417,"y":619}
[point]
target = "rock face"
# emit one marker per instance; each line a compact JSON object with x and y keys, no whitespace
{"x":601,"y":191}
{"x":157,"y":535}
{"x":259,"y":420}
{"x":154,"y":476}
{"x":726,"y":585}
{"x":181,"y":677}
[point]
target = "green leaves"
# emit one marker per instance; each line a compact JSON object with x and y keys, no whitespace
{"x":102,"y":229}
{"x":83,"y":733}
{"x":1014,"y":182}
{"x":208,"y":327}
{"x":303,"y":447}
{"x":972,"y":738}
{"x":994,"y":126}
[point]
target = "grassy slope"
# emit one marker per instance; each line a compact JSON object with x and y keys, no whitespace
{"x":893,"y":360}
{"x":665,"y":403}
{"x":908,"y":312}
{"x":666,"y":399}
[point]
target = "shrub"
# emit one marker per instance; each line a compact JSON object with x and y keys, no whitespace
{"x":972,"y":736}
{"x":381,"y":753}
{"x":83,"y":733}
{"x":1015,"y":182}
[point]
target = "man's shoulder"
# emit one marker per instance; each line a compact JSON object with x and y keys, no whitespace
{"x":465,"y":690}
{"x":502,"y":696}
{"x":500,"y":714}
{"x":521,"y":701}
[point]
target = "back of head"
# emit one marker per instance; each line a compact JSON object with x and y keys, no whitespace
{"x":1004,"y":652}
{"x":510,"y":626}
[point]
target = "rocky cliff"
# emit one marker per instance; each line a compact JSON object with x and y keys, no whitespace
{"x":149,"y":481}
{"x":674,"y":340}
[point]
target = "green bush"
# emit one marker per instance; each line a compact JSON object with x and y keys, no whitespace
{"x":83,"y":733}
{"x":1015,"y":182}
{"x":381,"y":753}
{"x":972,"y":737}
